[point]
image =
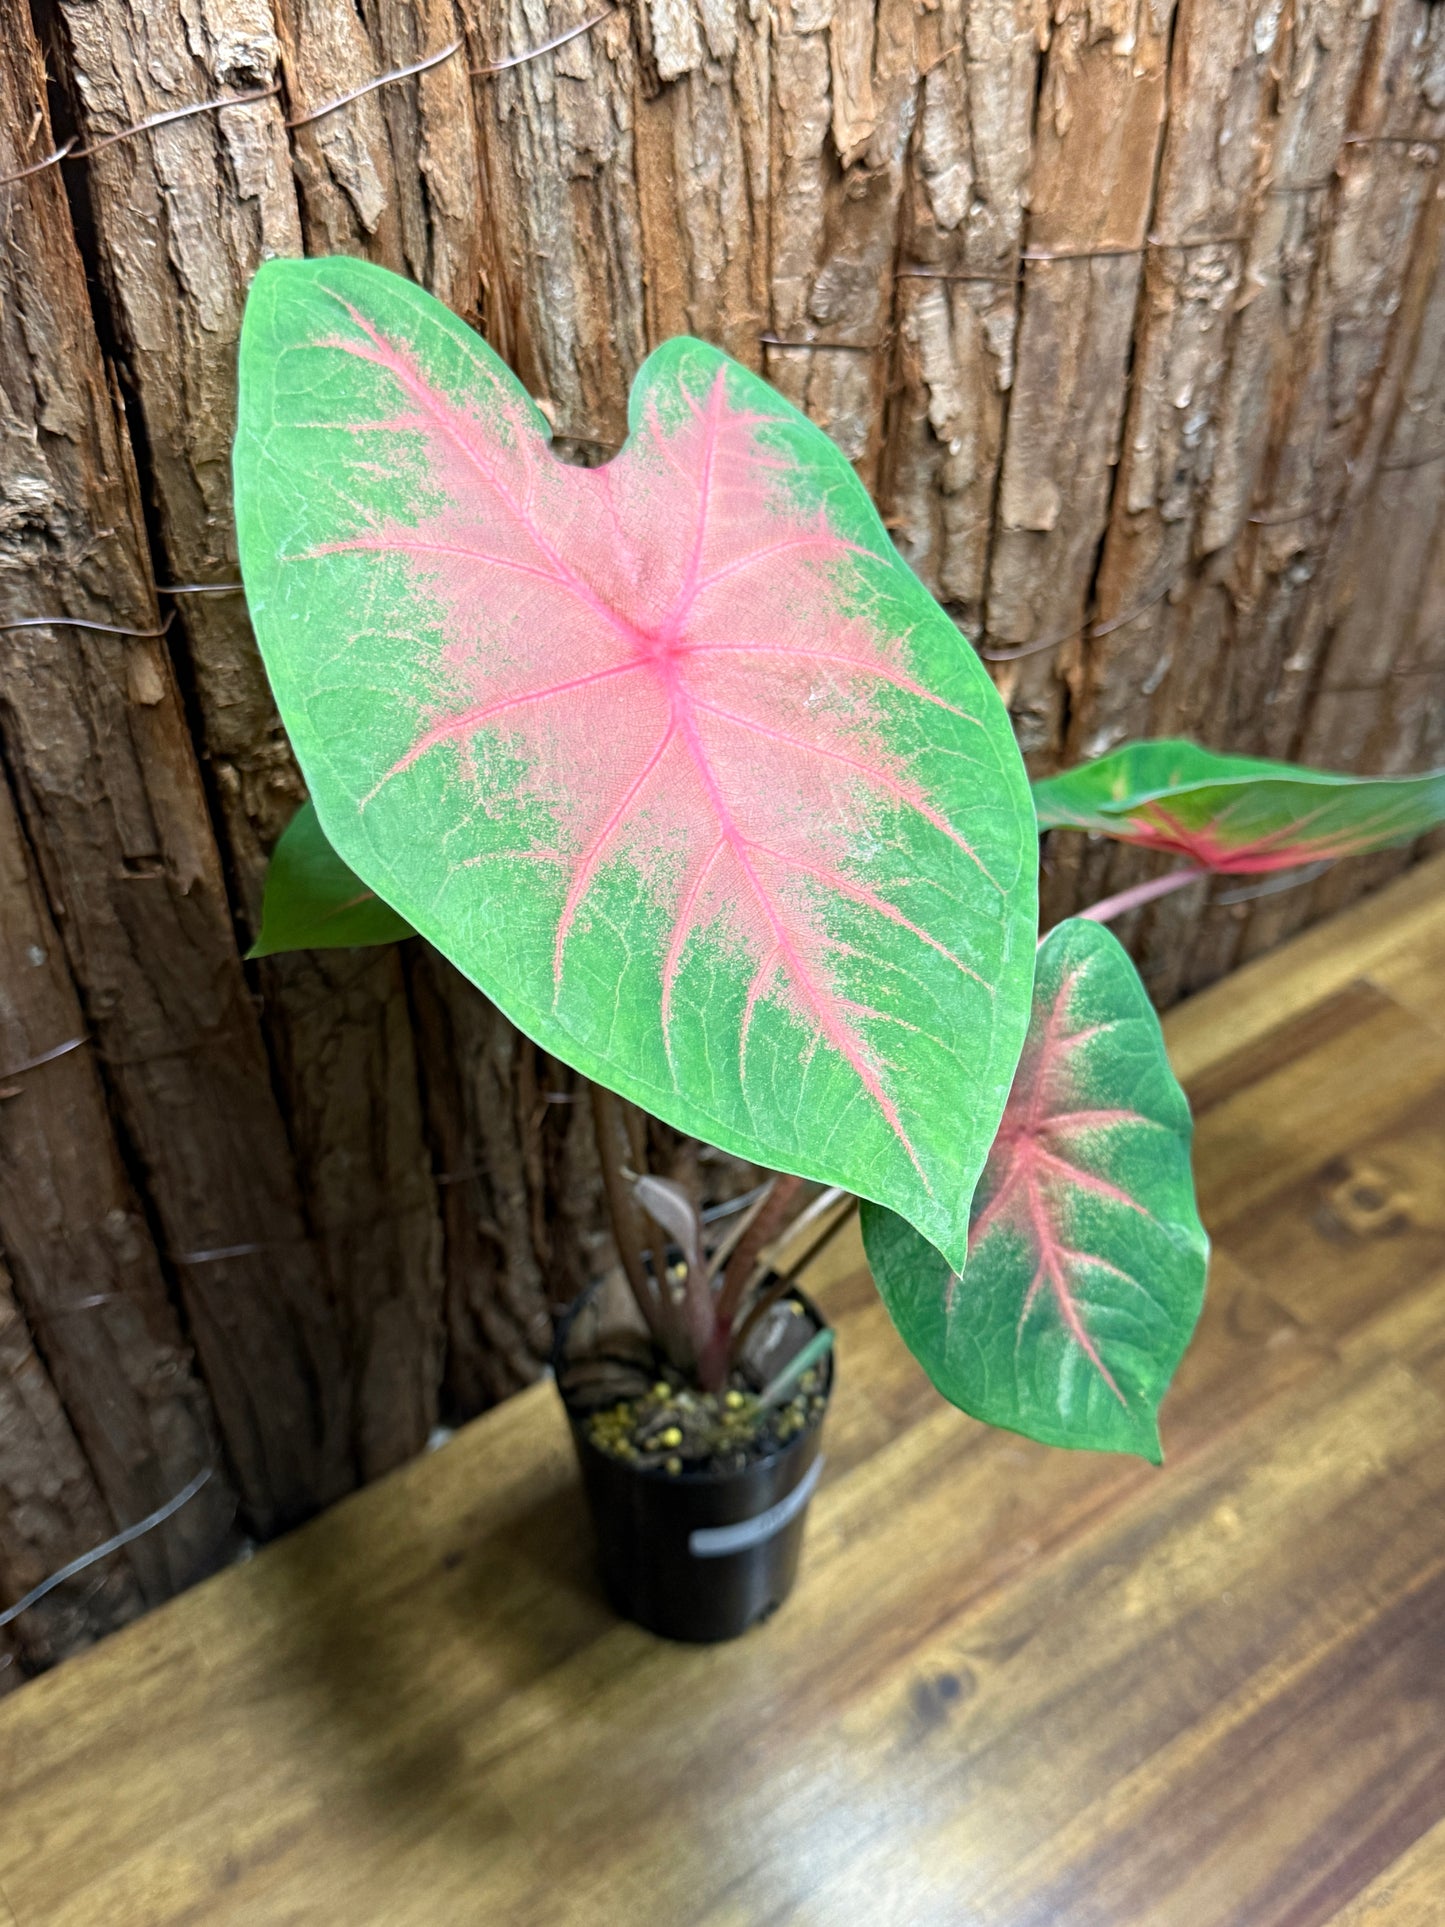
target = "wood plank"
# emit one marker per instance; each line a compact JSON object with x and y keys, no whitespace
{"x":1407,"y":1895}
{"x":1377,"y":1063}
{"x":1062,"y":1680}
{"x":944,"y":1509}
{"x":1413,"y":969}
{"x":1231,"y":1015}
{"x":1351,"y":1228}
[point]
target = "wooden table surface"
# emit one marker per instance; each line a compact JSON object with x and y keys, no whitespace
{"x":1015,"y":1687}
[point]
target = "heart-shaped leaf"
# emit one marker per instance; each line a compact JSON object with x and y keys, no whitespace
{"x":1086,"y":1257}
{"x":1237,"y":814}
{"x":314,"y":902}
{"x":675,"y":758}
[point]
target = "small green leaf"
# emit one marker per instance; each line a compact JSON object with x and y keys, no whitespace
{"x":1086,"y":1257}
{"x":314,"y":902}
{"x":1237,"y":815}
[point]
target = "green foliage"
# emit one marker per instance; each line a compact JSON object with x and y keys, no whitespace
{"x":314,"y":902}
{"x":1237,"y":814}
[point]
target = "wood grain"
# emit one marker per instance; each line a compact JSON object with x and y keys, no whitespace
{"x":1015,"y":1687}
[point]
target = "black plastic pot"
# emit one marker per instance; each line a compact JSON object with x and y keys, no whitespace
{"x":697,"y":1556}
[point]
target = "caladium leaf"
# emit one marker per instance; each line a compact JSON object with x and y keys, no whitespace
{"x":314,"y":902}
{"x":675,"y":758}
{"x":1237,"y":814}
{"x":1086,"y":1257}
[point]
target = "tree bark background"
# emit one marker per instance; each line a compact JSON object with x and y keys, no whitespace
{"x":1130,"y":312}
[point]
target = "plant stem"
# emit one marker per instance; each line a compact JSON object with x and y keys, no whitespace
{"x":1107,"y":908}
{"x":770,"y":1221}
{"x":616,"y":1142}
{"x":765,"y":1301}
{"x":766,"y":1223}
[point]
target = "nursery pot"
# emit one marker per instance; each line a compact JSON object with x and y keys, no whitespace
{"x":695,"y":1555}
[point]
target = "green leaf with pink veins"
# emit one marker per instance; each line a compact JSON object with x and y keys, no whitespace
{"x":1237,"y":815}
{"x":675,"y":758}
{"x":1086,"y":1257}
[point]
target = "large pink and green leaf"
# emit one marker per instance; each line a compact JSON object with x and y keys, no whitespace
{"x":1237,"y":814}
{"x":675,"y":758}
{"x":1086,"y":1257}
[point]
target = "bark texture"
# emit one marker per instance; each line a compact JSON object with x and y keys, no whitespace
{"x":1130,"y":312}
{"x":106,"y":776}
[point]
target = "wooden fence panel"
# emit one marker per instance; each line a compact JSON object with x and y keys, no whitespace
{"x":96,"y":738}
{"x":183,"y":217}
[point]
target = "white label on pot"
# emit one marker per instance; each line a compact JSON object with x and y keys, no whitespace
{"x":712,"y":1542}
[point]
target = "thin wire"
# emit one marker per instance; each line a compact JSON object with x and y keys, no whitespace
{"x":176,"y":113}
{"x":382,"y":80}
{"x":39,"y":167}
{"x":216,"y":1254}
{"x":1276,"y":884}
{"x":219,"y":1252}
{"x":121,"y":1539}
{"x":915,"y":271}
{"x":547,"y":46}
{"x":1087,"y":630}
{"x":713,"y":1212}
{"x":838,"y":347}
{"x":69,"y":149}
{"x":1391,"y":140}
{"x":79,"y":622}
{"x":199,"y":588}
{"x":45,"y":1057}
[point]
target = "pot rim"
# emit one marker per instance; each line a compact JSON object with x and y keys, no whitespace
{"x":700,"y":1476}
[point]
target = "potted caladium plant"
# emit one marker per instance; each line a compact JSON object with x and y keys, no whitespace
{"x":683,"y":767}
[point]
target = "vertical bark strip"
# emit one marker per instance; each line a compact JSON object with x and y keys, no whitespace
{"x":106,"y":777}
{"x":527,"y":1223}
{"x":1096,"y":144}
{"x":83,"y":1268}
{"x":183,"y":215}
{"x":51,"y":1511}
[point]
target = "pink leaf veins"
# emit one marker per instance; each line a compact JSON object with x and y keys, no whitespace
{"x":667,"y":646}
{"x":1043,"y":1154}
{"x":1154,"y":826}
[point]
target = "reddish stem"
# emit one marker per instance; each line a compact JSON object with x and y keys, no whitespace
{"x":783,"y":1283}
{"x":771,"y":1219}
{"x":1107,"y":908}
{"x":619,"y":1141}
{"x":768,"y":1221}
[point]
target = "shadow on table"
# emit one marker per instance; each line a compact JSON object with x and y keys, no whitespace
{"x":429,"y":1638}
